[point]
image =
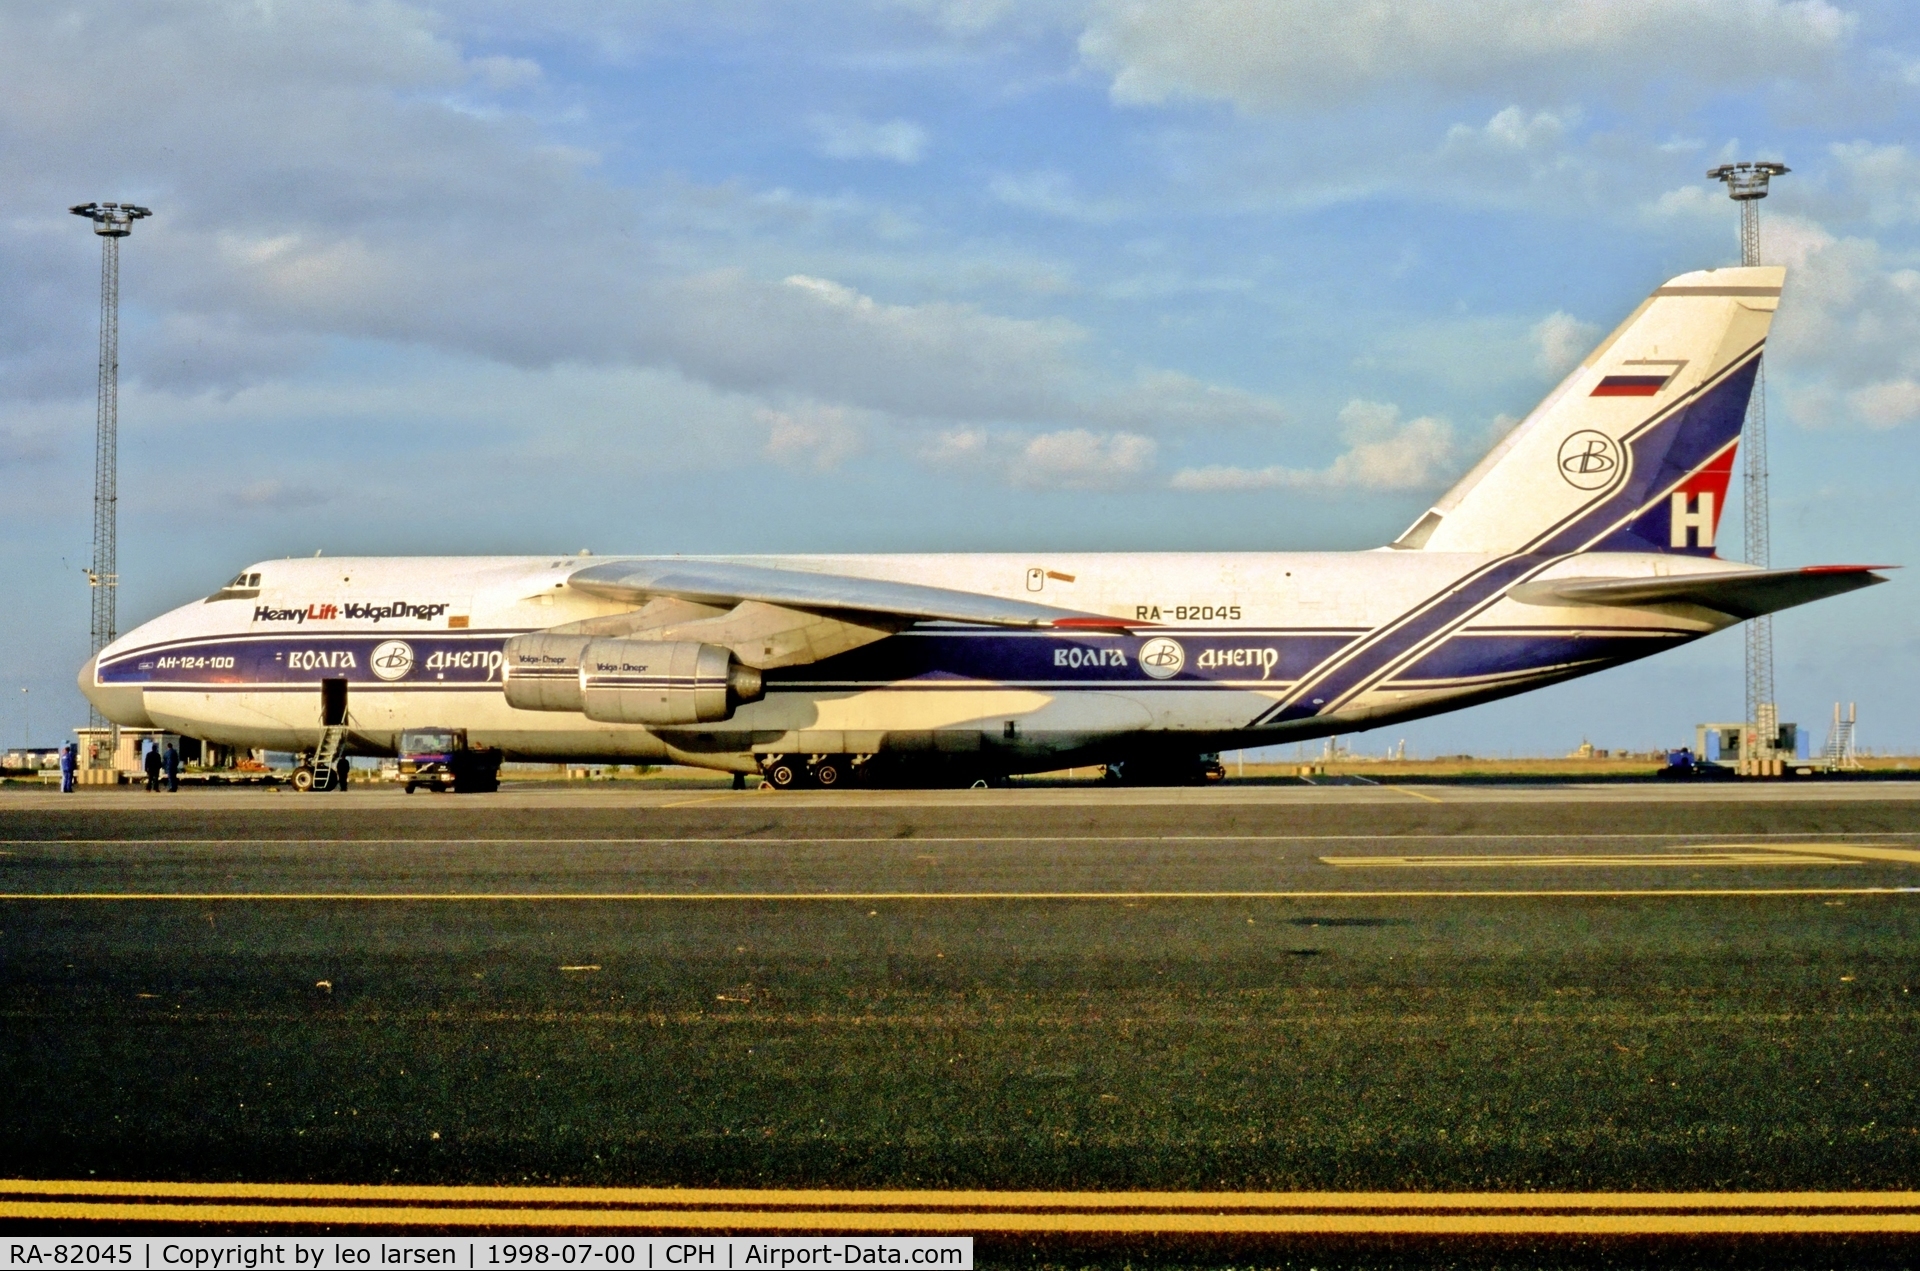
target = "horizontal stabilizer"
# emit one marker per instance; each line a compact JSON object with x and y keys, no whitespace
{"x":727,"y":583}
{"x":1744,"y":594}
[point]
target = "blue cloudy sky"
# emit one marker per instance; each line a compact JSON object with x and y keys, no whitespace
{"x":861,"y":275}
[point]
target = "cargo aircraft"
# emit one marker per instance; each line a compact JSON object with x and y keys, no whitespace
{"x":1584,"y":539}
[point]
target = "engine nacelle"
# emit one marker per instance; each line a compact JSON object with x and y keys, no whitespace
{"x":543,"y":671}
{"x":618,"y":681}
{"x":656,"y":682}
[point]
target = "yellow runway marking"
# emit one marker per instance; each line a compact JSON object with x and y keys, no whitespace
{"x":690,"y":803}
{"x":868,"y":897}
{"x":1415,"y":793}
{"x":1171,"y":1213}
{"x":1776,"y":857}
{"x":961,"y":1223}
{"x":1862,"y":853}
{"x":738,"y":840}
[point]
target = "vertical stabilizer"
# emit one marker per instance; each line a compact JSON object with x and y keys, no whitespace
{"x":1633,"y":450}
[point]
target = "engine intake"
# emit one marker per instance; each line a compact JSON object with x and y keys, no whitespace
{"x":620,"y":681}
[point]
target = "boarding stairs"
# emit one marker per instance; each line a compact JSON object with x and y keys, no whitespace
{"x":333,"y":740}
{"x":1839,"y":754}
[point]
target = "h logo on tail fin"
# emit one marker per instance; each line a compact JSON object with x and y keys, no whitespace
{"x":1700,"y":519}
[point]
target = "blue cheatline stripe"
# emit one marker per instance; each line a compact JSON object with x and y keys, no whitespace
{"x":437,"y":635}
{"x":969,"y":667}
{"x":1367,"y":663}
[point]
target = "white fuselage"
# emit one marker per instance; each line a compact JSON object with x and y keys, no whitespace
{"x":1244,"y":649}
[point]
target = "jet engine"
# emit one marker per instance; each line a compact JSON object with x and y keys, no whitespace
{"x":543,"y":671}
{"x":622,"y":681}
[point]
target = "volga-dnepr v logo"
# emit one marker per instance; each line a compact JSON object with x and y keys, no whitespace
{"x":391,"y":659}
{"x":1589,"y":460}
{"x":1162,"y":658}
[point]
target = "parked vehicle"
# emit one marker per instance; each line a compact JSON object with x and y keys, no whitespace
{"x":440,"y":760}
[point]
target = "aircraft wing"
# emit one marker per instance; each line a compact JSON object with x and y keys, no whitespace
{"x":1743,"y":594}
{"x":727,"y":583}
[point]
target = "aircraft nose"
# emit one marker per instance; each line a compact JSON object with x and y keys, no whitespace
{"x":124,"y":704}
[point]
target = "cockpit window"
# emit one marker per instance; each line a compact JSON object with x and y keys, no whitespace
{"x":244,"y":586}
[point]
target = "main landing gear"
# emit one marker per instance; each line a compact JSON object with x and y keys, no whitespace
{"x":827,"y":772}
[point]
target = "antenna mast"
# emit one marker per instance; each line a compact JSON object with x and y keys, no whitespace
{"x":112,"y":222}
{"x":1747,"y":185}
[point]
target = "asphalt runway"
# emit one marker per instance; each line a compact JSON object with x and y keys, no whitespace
{"x":1287,"y":989}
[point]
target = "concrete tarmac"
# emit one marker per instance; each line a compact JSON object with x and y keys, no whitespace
{"x":1642,"y":988}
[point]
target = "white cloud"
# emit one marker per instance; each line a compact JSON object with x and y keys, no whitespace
{"x":965,"y":17}
{"x":1076,"y":459}
{"x":313,"y":184}
{"x":1513,"y":129}
{"x":1563,"y":340}
{"x":1843,"y":307}
{"x":1068,"y":459}
{"x":1881,"y":182}
{"x":502,"y":73}
{"x":1847,"y":338}
{"x":960,"y":448}
{"x":848,"y":137}
{"x":1382,"y":454}
{"x":1161,"y":400}
{"x":1051,"y":194}
{"x":817,"y":437}
{"x":1694,"y":200}
{"x":1310,"y":54}
{"x":1887,"y":404}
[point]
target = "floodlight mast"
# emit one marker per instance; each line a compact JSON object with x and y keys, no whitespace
{"x":112,"y":222}
{"x":1747,"y":185}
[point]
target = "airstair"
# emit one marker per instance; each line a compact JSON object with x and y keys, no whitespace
{"x":1839,"y":755}
{"x":333,"y":740}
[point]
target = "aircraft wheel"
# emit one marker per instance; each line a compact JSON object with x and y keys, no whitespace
{"x":828,"y":773}
{"x":303,"y":779}
{"x":783,"y":775}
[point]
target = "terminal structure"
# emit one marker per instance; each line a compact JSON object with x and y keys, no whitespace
{"x":1761,"y":740}
{"x":112,"y":222}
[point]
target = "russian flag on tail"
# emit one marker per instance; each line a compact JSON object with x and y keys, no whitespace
{"x":1630,"y":385}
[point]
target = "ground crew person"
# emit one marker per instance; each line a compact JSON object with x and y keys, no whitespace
{"x":153,"y":767}
{"x":171,"y":761}
{"x":67,"y":761}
